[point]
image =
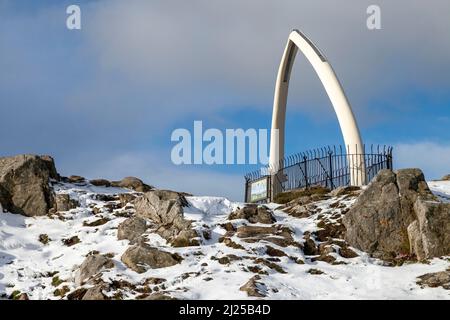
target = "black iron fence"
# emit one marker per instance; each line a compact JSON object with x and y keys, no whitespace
{"x":330,"y":167}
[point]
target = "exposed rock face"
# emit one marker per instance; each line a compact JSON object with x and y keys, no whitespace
{"x":64,"y":203}
{"x":165,"y":209}
{"x":429,"y":235}
{"x":95,"y":292}
{"x":254,"y":214}
{"x":132,"y":183}
{"x":100,"y":182}
{"x":141,"y":257}
{"x":434,"y":280}
{"x":131,"y":229}
{"x":278,"y":235}
{"x":254,"y":288}
{"x":446,"y":177}
{"x":91,"y":266}
{"x":25,"y":184}
{"x":397,"y":214}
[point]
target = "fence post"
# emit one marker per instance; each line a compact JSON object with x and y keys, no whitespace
{"x":306,"y":173}
{"x":389,"y":160}
{"x":246,"y":190}
{"x":330,"y":159}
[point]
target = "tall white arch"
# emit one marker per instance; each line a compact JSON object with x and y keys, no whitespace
{"x":352,"y":138}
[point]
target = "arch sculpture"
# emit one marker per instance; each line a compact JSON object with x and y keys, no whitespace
{"x":349,"y":128}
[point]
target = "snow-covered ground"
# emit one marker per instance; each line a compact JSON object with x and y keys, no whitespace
{"x":29,"y":266}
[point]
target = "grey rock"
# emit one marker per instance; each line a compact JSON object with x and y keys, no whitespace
{"x":254,"y":214}
{"x":25,"y":184}
{"x":96,"y":292}
{"x":132,"y":183}
{"x":430,"y":234}
{"x":100,"y":182}
{"x":64,"y":203}
{"x":254,"y":288}
{"x":388,"y":219}
{"x":131,"y":229}
{"x":75,"y":179}
{"x":159,"y":296}
{"x":434,"y":280}
{"x":165,"y":209}
{"x":92,"y":265}
{"x":142,"y":256}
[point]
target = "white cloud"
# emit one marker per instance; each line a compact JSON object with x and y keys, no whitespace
{"x":432,"y":158}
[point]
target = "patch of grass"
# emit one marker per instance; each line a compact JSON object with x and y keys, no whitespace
{"x":315,"y":271}
{"x":285,"y":197}
{"x":15,"y":295}
{"x":56,"y":281}
{"x":44,"y":238}
{"x":61,"y":291}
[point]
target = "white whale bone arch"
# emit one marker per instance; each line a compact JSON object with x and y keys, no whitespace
{"x":349,"y":128}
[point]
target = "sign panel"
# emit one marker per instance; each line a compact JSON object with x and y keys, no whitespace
{"x":258,"y":190}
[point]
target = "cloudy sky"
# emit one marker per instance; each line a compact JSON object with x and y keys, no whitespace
{"x":105,"y":99}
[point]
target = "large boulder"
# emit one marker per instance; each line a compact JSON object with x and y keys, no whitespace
{"x":92,"y":265}
{"x":165,"y":209}
{"x":429,"y":234}
{"x":131,"y":229}
{"x":142,"y":256}
{"x":389,"y":218}
{"x":64,"y":202}
{"x":25,"y":184}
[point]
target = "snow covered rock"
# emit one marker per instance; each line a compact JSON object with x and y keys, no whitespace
{"x":25,"y":184}
{"x":389,"y":218}
{"x":143,"y":256}
{"x":165,"y":209}
{"x":92,"y":265}
{"x":254,"y":214}
{"x":254,"y":287}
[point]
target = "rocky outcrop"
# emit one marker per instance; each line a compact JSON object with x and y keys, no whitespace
{"x":131,"y":229}
{"x":279,"y":235}
{"x":253,"y":214}
{"x":92,"y":265}
{"x":142,"y":256}
{"x":254,"y":287}
{"x":100,"y":182}
{"x":434,"y":280}
{"x":96,"y":292}
{"x":64,"y":203}
{"x":132,"y":183}
{"x":165,"y":209}
{"x":429,"y":234}
{"x":25,"y":184}
{"x":446,"y":177}
{"x":397,"y":215}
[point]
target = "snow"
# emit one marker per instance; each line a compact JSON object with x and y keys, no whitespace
{"x":440,"y":189}
{"x":25,"y":263}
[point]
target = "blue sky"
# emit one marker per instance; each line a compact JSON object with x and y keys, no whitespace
{"x":105,"y":99}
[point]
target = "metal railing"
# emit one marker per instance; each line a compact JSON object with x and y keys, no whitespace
{"x":329,"y":167}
